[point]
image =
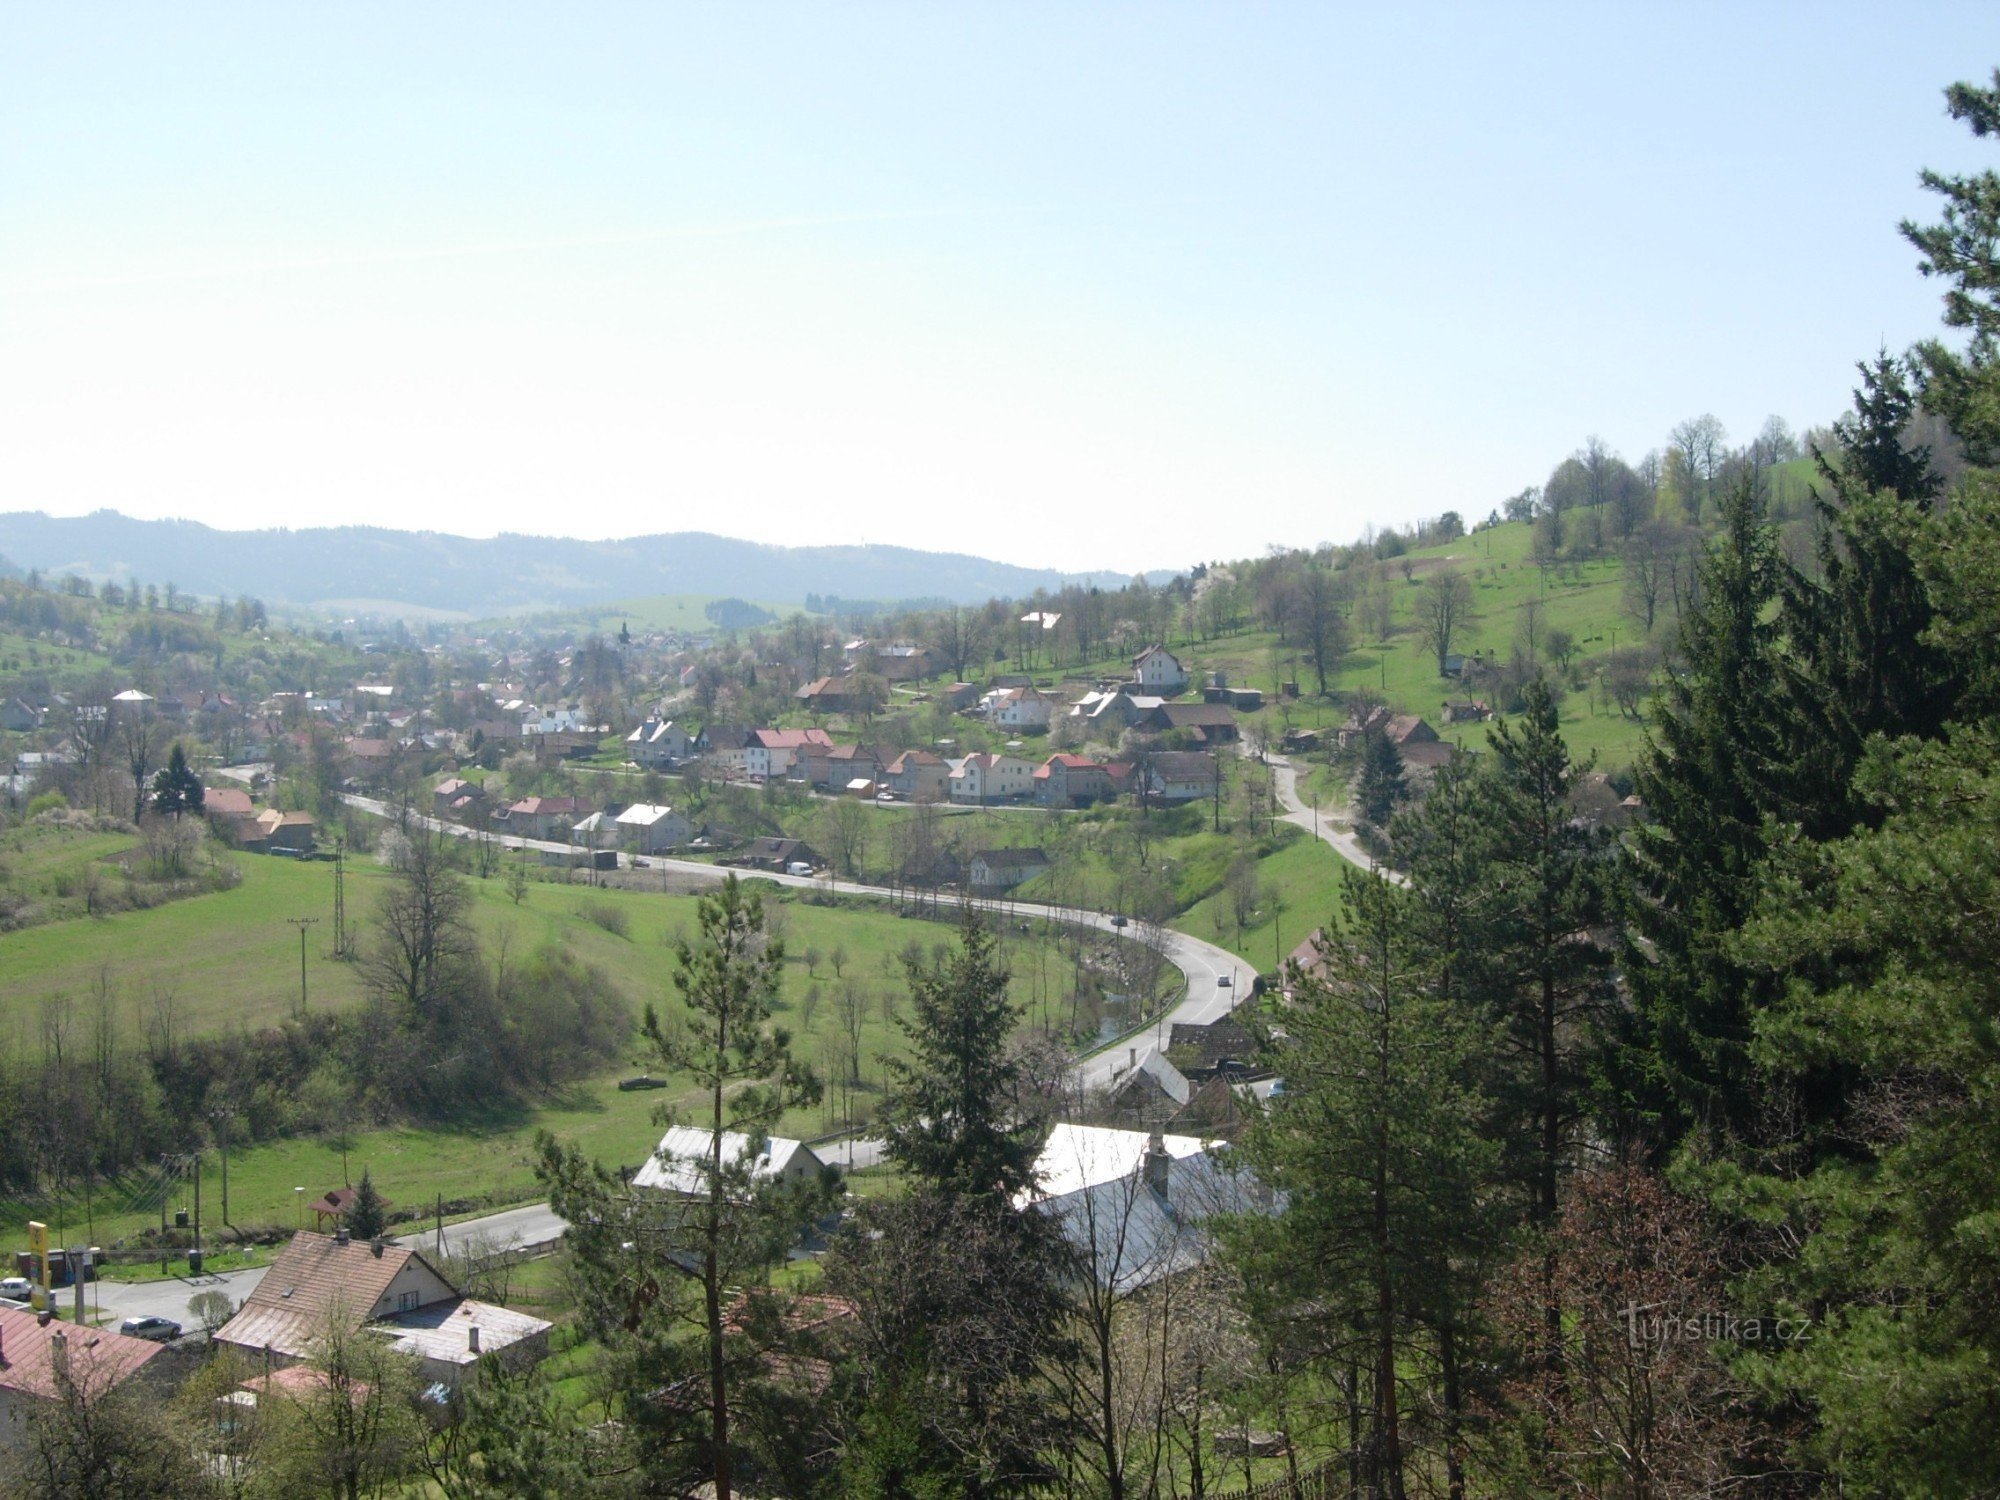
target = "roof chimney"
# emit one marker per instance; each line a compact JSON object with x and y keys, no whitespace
{"x":340,"y":1235}
{"x":376,"y":1246}
{"x":472,"y":1338}
{"x":59,"y":1351}
{"x":1158,"y":1164}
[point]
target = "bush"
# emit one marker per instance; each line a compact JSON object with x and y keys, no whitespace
{"x":47,"y":802}
{"x":613,"y":919}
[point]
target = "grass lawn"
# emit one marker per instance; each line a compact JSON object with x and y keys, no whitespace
{"x":230,"y":959}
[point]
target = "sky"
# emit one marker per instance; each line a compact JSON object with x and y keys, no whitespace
{"x":1077,"y":286}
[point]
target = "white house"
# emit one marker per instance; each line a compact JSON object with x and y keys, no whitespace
{"x":677,"y":1165}
{"x":646,"y":828}
{"x":1132,"y":1204}
{"x":770,"y":752}
{"x":1023,"y":708}
{"x":1159,"y":669}
{"x":983,"y":778}
{"x":598,"y":831}
{"x":658,"y":744}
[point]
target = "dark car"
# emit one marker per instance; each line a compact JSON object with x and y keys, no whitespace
{"x":159,"y":1330}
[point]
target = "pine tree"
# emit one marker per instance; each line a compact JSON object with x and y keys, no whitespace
{"x":1964,"y":385}
{"x":1377,"y":1142}
{"x":658,"y":1264}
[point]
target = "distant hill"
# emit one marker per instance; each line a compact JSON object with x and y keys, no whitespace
{"x":508,"y":574}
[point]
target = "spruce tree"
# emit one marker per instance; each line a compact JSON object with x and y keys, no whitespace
{"x":1379,"y":789}
{"x":1859,"y":661}
{"x":1691,"y":864}
{"x":177,"y":789}
{"x":367,"y":1216}
{"x":952,"y":1119}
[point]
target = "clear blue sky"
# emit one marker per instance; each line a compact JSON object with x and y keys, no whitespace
{"x":1089,"y":285}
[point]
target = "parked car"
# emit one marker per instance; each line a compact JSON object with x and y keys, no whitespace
{"x":17,"y":1288}
{"x":159,"y":1330}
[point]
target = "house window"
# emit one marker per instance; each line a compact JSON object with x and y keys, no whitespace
{"x":406,"y":1301}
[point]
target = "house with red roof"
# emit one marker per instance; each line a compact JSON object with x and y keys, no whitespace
{"x":1065,"y":780}
{"x":40,"y":1354}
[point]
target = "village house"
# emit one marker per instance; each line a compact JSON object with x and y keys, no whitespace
{"x":835,"y":767}
{"x":1065,"y":780}
{"x":37,"y":1352}
{"x":826,"y":695}
{"x":323,"y":1282}
{"x":1023,"y":709}
{"x":725,"y":750}
{"x":229,"y":811}
{"x":1149,"y":1090}
{"x":1109,"y":712}
{"x":1158,"y":670}
{"x":20,"y":716}
{"x":1180,"y":775}
{"x":275,"y":832}
{"x":676,"y":1166}
{"x":983,"y":779}
{"x":658,"y":745}
{"x":770,"y":752}
{"x":645,"y":828}
{"x":780,"y":855}
{"x":1211,"y":723}
{"x":1131,"y":1202}
{"x":917,"y":776}
{"x":1003,"y":869}
{"x":454,"y":797}
{"x":543,"y":817}
{"x":899,"y":662}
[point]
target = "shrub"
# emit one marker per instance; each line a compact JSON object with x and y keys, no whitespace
{"x":613,"y":919}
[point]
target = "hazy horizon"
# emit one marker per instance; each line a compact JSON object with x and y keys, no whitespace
{"x":1117,"y":288}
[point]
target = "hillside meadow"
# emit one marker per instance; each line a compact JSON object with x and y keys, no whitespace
{"x":230,"y":959}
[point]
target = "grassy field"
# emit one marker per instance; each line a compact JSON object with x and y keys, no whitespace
{"x":231,"y":959}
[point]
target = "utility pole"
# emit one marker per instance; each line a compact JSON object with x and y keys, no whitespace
{"x":223,"y":1115}
{"x":302,"y":923}
{"x":339,"y":897}
{"x":194,"y":1259}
